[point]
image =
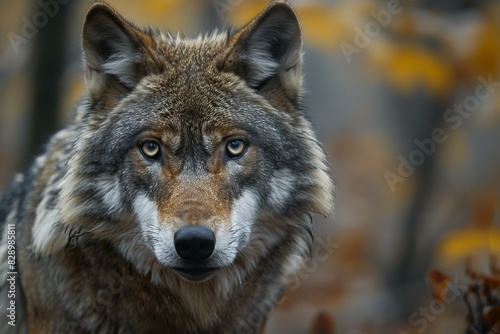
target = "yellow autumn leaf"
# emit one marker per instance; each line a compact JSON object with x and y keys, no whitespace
{"x":458,"y":245}
{"x":409,"y":66}
{"x":323,"y":27}
{"x":484,"y":58}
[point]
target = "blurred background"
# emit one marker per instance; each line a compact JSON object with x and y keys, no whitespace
{"x":405,"y":96}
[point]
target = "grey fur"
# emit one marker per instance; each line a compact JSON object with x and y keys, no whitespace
{"x":94,"y":217}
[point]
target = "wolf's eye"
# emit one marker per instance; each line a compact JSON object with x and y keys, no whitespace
{"x":151,"y":149}
{"x":236,"y":148}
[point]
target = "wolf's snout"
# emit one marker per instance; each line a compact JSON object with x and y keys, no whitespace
{"x":194,"y":242}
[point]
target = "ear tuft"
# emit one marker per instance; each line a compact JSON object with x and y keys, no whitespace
{"x":269,"y":49}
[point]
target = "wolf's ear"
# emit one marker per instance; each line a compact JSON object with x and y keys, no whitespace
{"x":113,"y":51}
{"x":267,"y":52}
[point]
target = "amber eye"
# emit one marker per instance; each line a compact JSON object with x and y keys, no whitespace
{"x":236,"y":148}
{"x":151,"y":149}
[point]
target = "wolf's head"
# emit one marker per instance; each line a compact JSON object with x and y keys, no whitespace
{"x":192,"y":155}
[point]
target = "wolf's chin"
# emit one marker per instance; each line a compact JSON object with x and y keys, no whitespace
{"x":199,"y":276}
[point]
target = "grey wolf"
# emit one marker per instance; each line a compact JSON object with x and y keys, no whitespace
{"x":179,"y":199}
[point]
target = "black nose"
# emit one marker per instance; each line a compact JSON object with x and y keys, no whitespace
{"x":194,"y":242}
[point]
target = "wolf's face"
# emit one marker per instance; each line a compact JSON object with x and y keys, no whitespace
{"x":192,"y":152}
{"x":201,"y":163}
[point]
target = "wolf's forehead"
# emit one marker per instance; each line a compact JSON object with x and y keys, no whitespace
{"x":180,"y":52}
{"x":203,"y":127}
{"x":195,"y":102}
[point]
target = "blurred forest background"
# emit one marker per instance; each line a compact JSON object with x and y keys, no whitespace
{"x":418,"y":181}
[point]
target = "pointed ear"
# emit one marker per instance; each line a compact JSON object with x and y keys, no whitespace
{"x":267,"y":52}
{"x":113,"y":51}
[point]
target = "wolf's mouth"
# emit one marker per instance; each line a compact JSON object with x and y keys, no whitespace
{"x":195,"y":274}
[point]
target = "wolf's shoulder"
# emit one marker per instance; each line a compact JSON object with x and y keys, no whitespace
{"x":51,"y":160}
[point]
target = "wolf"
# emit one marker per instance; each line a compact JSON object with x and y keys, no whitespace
{"x":180,"y":197}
